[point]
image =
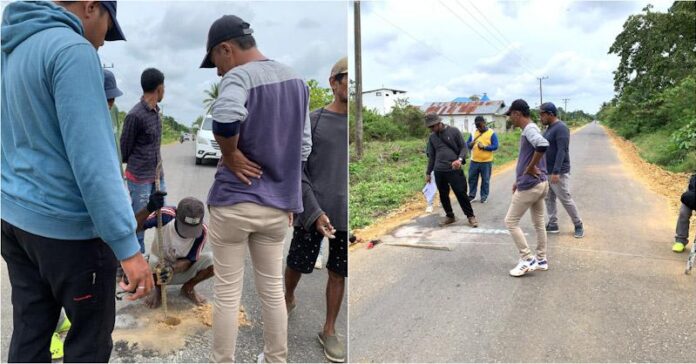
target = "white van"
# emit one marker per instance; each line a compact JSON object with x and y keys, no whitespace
{"x":206,"y":146}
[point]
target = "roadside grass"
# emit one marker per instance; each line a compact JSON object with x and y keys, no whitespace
{"x":657,"y":148}
{"x":391,"y":173}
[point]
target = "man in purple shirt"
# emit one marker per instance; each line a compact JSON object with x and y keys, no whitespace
{"x":529,"y":190}
{"x":140,"y":143}
{"x":261,"y":122}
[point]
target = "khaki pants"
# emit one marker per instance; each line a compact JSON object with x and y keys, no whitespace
{"x":532,"y":199}
{"x":263,"y":230}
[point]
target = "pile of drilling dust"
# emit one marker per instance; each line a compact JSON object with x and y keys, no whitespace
{"x":153,"y":333}
{"x":205,"y":315}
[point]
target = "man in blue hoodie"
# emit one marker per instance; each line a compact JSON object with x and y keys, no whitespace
{"x":65,"y":214}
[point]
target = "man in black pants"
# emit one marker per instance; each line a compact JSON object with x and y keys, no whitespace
{"x":447,"y":154}
{"x":325,"y":201}
{"x":66,"y":221}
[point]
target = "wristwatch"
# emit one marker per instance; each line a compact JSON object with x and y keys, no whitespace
{"x":461,"y":159}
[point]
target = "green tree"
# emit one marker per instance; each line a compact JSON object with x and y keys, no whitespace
{"x":318,"y":96}
{"x":410,"y":117}
{"x":475,"y":98}
{"x":212,"y":95}
{"x":656,"y":50}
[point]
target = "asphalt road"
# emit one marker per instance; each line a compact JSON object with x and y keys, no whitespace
{"x":184,"y":179}
{"x":618,"y":295}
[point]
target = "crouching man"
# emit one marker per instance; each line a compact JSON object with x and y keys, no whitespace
{"x":183,"y":235}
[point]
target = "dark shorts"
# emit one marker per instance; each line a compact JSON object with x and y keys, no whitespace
{"x":305,"y":248}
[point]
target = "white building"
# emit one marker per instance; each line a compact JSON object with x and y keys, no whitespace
{"x":462,"y":114}
{"x":382,"y":100}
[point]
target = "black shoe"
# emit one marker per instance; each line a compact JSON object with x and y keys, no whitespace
{"x":552,"y":229}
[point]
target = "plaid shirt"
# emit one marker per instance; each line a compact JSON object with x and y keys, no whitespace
{"x":140,"y":142}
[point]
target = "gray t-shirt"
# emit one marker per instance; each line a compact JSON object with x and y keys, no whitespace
{"x":325,"y":176}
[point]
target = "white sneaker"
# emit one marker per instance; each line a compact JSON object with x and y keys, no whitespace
{"x":523,"y":267}
{"x":320,"y":262}
{"x":429,"y":209}
{"x":261,"y":358}
{"x":542,"y":264}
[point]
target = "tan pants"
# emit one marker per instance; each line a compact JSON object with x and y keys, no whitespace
{"x":533,"y":200}
{"x":263,"y":230}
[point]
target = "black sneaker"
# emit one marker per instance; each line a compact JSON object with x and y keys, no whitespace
{"x":552,"y":229}
{"x":579,"y":231}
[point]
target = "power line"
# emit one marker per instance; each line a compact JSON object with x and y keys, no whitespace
{"x":503,"y":40}
{"x":519,"y":60}
{"x":486,"y":19}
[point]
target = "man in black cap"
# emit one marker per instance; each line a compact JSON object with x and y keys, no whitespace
{"x":66,"y":221}
{"x":447,"y":154}
{"x":184,"y":235}
{"x":558,"y":163}
{"x":261,"y":122}
{"x":528,"y":191}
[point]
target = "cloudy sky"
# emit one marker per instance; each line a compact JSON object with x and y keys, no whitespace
{"x":171,"y":36}
{"x":439,"y":50}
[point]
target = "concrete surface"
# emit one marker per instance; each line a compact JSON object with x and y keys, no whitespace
{"x":617,"y":295}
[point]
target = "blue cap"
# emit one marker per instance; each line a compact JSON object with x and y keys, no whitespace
{"x":115,"y":33}
{"x":549,"y":107}
{"x":110,"y":87}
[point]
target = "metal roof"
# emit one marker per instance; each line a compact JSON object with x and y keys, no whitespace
{"x":465,"y":108}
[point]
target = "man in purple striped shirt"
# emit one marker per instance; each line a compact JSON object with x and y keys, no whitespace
{"x":528,"y":191}
{"x":261,"y":122}
{"x":141,"y":139}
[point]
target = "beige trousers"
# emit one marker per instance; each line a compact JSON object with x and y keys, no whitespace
{"x":263,"y":230}
{"x":533,"y":200}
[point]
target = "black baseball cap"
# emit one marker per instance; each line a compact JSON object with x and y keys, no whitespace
{"x":189,"y":217}
{"x":549,"y":107}
{"x":225,"y":28}
{"x":115,"y":33}
{"x":518,"y":105}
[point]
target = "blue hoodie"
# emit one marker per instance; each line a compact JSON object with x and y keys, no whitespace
{"x":60,"y":172}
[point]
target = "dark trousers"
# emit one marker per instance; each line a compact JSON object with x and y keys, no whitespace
{"x":482,"y":169}
{"x":456,"y":180}
{"x":47,"y":274}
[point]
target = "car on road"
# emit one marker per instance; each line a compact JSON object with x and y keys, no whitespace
{"x":206,"y":146}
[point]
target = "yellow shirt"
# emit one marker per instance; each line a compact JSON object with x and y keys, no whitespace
{"x":477,"y":154}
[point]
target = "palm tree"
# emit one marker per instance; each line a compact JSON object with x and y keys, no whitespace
{"x":212,"y":96}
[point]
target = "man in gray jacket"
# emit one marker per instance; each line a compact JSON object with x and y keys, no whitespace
{"x":446,"y":154}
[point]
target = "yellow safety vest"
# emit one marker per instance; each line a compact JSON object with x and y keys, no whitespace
{"x":478,"y":154}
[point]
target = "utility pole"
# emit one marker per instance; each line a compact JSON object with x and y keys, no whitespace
{"x":565,"y":107}
{"x":358,"y":83}
{"x":541,"y":98}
